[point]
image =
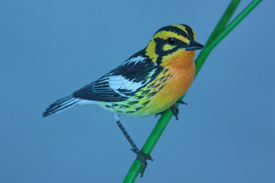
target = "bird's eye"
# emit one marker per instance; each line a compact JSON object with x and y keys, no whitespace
{"x":172,"y":41}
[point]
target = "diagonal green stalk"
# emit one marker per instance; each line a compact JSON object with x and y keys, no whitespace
{"x":218,"y":29}
{"x":223,"y":21}
{"x":217,"y":35}
{"x":210,"y":44}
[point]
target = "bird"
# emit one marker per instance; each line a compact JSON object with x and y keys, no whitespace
{"x":147,"y":83}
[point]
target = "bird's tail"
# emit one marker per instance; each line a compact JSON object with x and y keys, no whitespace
{"x":61,"y":105}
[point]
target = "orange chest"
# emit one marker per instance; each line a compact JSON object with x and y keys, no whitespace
{"x":178,"y":82}
{"x":169,"y":87}
{"x":181,"y":70}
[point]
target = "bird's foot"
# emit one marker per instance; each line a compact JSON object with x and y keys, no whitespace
{"x":142,"y":159}
{"x":175,"y":109}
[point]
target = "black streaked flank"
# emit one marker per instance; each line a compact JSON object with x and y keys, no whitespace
{"x":124,"y":106}
{"x":139,"y":97}
{"x":151,"y":85}
{"x":163,"y":81}
{"x":155,"y":86}
{"x":164,"y":72}
{"x":145,"y":103}
{"x":161,"y":87}
{"x":151,"y":94}
{"x":167,"y":77}
{"x":137,"y":109}
{"x":160,"y":79}
{"x":145,"y":92}
{"x":132,"y":103}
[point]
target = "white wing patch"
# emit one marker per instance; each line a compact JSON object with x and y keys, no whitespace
{"x":135,"y":60}
{"x":120,"y":82}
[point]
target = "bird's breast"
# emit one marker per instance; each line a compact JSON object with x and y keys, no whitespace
{"x":176,"y":84}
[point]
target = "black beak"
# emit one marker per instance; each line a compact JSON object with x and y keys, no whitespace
{"x":193,"y":45}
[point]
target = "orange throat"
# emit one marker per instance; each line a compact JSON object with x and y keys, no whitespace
{"x":182,"y":70}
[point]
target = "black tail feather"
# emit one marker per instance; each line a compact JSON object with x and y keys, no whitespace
{"x":60,"y":105}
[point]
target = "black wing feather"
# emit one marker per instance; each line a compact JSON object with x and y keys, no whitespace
{"x":100,"y":90}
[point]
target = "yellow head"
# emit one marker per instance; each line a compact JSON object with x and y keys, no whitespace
{"x":173,"y":45}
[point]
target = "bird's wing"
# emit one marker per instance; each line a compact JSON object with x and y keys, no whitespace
{"x":122,"y":82}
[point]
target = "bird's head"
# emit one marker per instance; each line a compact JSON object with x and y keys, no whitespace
{"x":173,"y":43}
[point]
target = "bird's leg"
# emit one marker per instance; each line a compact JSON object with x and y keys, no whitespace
{"x":175,"y":109}
{"x":140,"y":155}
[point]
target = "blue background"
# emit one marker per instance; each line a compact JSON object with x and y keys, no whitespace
{"x":49,"y":49}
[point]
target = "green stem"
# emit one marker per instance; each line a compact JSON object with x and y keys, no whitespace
{"x":234,"y":23}
{"x":223,"y":21}
{"x":218,"y":29}
{"x":217,"y":35}
{"x":210,"y":44}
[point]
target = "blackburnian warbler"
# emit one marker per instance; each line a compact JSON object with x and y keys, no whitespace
{"x":147,"y":83}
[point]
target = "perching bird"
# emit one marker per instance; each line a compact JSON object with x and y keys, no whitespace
{"x":147,"y":83}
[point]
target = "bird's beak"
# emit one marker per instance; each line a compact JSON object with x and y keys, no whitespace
{"x":193,"y":45}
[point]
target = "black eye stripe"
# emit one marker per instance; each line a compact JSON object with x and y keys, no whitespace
{"x":159,"y":42}
{"x":172,"y":41}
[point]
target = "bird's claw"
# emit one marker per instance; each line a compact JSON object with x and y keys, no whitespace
{"x":174,"y":109}
{"x":181,"y":102}
{"x":158,"y":114}
{"x":142,"y":159}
